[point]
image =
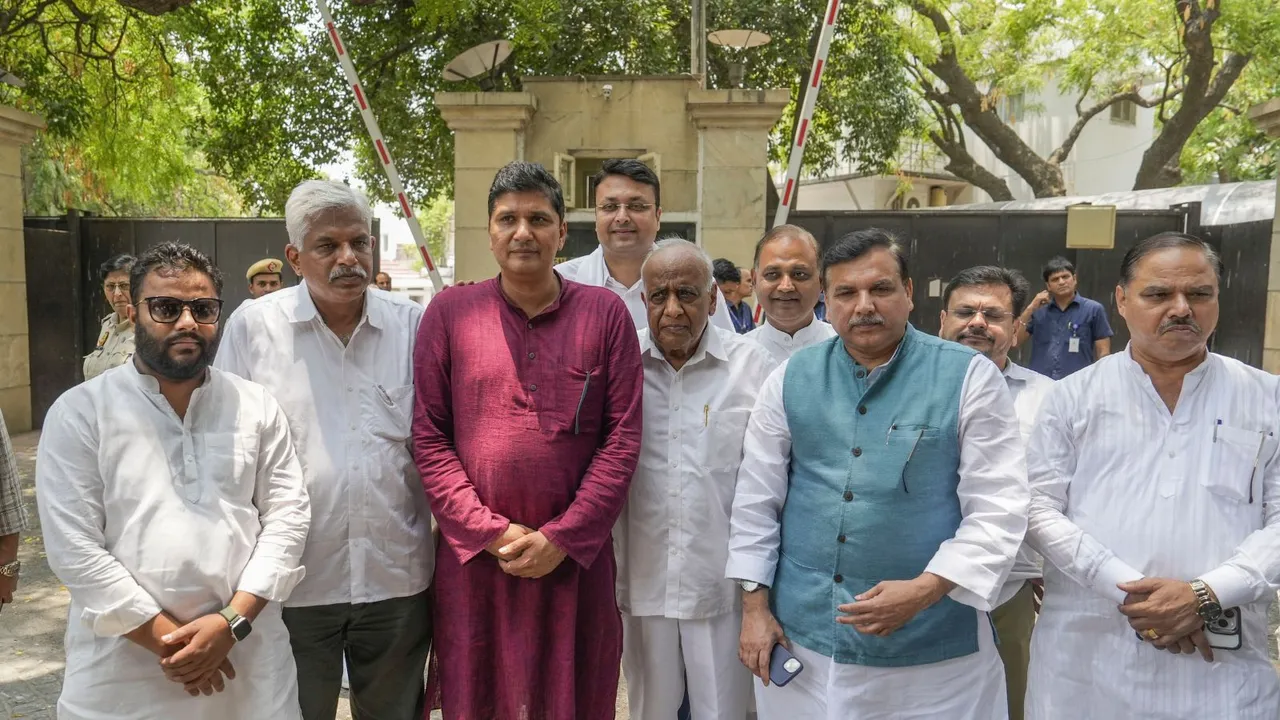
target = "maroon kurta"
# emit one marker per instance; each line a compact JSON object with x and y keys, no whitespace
{"x":535,"y":422}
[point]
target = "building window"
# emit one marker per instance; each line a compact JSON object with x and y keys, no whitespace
{"x":1010,"y":108}
{"x":1124,"y":112}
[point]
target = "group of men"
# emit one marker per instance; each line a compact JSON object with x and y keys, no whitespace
{"x":620,"y":480}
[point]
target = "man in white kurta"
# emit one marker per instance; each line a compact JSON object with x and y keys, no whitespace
{"x":879,"y":511}
{"x":1155,"y":481}
{"x":787,"y":287}
{"x":338,"y":356}
{"x":628,"y":207}
{"x":163,"y":501}
{"x":980,"y":307}
{"x":680,"y":615}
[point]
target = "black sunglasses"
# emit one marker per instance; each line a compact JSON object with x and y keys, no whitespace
{"x":168,"y":309}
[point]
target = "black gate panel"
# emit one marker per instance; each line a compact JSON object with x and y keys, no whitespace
{"x":53,"y":316}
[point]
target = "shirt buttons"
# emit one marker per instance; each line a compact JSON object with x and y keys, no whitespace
{"x":862,"y":409}
{"x":1172,"y":453}
{"x":861,"y":374}
{"x":840,"y":539}
{"x":533,"y":355}
{"x":838,"y":578}
{"x":857,"y":452}
{"x":848,"y":496}
{"x":529,"y":325}
{"x":675,"y":434}
{"x":533,"y":388}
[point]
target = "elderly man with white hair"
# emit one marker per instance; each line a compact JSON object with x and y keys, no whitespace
{"x":338,"y":357}
{"x":681,"y":617}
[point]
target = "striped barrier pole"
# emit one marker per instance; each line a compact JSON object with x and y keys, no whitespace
{"x":796,"y":156}
{"x":375,"y":134}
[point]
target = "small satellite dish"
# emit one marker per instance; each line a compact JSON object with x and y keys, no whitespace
{"x":738,"y":41}
{"x":478,"y":62}
{"x":9,"y":78}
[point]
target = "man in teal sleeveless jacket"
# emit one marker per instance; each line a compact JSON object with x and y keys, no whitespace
{"x":880,"y":503}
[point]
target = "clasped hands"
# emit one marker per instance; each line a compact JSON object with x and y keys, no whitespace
{"x":194,"y":655}
{"x":525,"y":553}
{"x":1169,"y":608}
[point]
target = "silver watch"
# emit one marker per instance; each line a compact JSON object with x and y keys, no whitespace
{"x":749,"y":586}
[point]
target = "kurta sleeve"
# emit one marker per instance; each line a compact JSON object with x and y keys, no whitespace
{"x":1051,"y":463}
{"x":465,"y":523}
{"x":993,"y":491}
{"x":69,"y":495}
{"x":583,"y":529}
{"x":284,"y":512}
{"x":755,"y":527}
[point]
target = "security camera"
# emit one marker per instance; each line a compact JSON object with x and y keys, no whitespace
{"x":608,"y":91}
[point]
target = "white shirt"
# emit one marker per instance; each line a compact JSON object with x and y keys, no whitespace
{"x":992,"y":490}
{"x":673,"y":535}
{"x":143,"y":511}
{"x":782,"y":346}
{"x":1028,"y":389}
{"x":592,"y":270}
{"x":1121,"y":489}
{"x":350,"y":410}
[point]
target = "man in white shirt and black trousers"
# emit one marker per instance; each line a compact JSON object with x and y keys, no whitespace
{"x":681,"y":617}
{"x":1155,"y":481}
{"x":338,"y":356}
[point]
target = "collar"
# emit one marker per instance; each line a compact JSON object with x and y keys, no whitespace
{"x":1196,"y":374}
{"x":1075,"y":300}
{"x":303,"y":308}
{"x":595,"y":271}
{"x":802,"y":334}
{"x":149,"y":384}
{"x":1014,"y":371}
{"x":711,"y":344}
{"x":881,"y":370}
{"x":555,"y":304}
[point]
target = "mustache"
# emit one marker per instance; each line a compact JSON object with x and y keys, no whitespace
{"x":975,"y":333}
{"x":1178,"y":322}
{"x":354,"y":271}
{"x":181,"y":337}
{"x":866,"y":320}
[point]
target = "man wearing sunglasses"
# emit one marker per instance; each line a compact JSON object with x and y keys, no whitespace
{"x":980,"y":309}
{"x":174,"y":511}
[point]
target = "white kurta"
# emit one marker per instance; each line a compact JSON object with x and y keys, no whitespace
{"x":993,"y":499}
{"x":681,"y":615}
{"x":143,"y":512}
{"x":1028,"y":389}
{"x":592,"y":270}
{"x":782,"y":346}
{"x":349,"y":408}
{"x":1121,"y":489}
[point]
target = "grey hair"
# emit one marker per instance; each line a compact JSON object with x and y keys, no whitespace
{"x":675,"y":241}
{"x":313,"y":197}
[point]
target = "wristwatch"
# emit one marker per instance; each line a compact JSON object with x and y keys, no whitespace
{"x":240,"y":626}
{"x":1208,"y":609}
{"x":10,"y":570}
{"x":750,"y":586}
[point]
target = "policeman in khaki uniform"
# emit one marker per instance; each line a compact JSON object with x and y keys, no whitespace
{"x":115,"y":341}
{"x":264,"y":277}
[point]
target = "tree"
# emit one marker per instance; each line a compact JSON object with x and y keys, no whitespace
{"x":1179,"y":56}
{"x":434,"y":219}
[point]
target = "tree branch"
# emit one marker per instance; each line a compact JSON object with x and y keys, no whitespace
{"x":1133,"y":96}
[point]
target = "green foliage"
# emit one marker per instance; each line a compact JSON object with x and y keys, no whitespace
{"x":434,"y":219}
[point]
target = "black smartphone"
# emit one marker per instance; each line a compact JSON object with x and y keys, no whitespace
{"x":783,"y":666}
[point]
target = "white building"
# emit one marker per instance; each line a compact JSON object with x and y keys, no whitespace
{"x":1104,"y":159}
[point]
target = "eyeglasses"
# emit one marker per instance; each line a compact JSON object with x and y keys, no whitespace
{"x":113,"y":288}
{"x":990,"y":314}
{"x":635,"y":208}
{"x":167,"y":309}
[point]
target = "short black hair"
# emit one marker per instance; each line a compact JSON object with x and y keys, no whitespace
{"x":1056,"y":265}
{"x":120,"y":263}
{"x":1166,"y":241}
{"x":1018,"y":286}
{"x":786,"y":231}
{"x":634,"y":169}
{"x":519,"y":177}
{"x":859,"y":243}
{"x":171,"y":258}
{"x":725,"y":271}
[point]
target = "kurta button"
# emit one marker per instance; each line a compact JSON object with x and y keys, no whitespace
{"x":529,"y":325}
{"x":533,"y":387}
{"x":861,"y":374}
{"x":848,"y":496}
{"x":839,"y":578}
{"x":862,"y":409}
{"x":857,"y":452}
{"x":840,"y":539}
{"x":533,"y":355}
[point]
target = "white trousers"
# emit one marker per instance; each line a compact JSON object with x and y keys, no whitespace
{"x":964,"y":688}
{"x":659,"y":653}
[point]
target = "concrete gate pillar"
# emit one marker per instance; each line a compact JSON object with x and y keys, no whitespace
{"x":733,"y":146}
{"x":17,"y":128}
{"x":1267,"y":117}
{"x":488,"y":132}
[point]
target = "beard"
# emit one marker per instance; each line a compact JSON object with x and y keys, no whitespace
{"x":154,"y":352}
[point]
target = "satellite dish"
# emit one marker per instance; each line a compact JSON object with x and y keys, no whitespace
{"x":738,"y":41}
{"x":478,"y":62}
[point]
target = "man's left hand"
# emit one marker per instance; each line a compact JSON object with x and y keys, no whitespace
{"x":208,"y":641}
{"x":535,"y":556}
{"x":892,"y":603}
{"x":1164,"y":605}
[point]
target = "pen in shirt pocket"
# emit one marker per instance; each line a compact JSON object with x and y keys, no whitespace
{"x":1215,"y":429}
{"x":706,"y":415}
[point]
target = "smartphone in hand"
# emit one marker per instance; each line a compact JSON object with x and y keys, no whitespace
{"x":783,"y":666}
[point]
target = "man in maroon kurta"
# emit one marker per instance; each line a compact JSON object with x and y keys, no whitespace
{"x":526,"y":433}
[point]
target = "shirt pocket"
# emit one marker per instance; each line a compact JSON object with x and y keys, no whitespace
{"x":585,"y":401}
{"x":1236,"y":459}
{"x":228,"y":463}
{"x":722,"y":439}
{"x":393,"y":413}
{"x":914,"y":460}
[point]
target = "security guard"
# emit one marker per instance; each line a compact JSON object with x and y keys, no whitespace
{"x":115,"y":342}
{"x":264,"y":277}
